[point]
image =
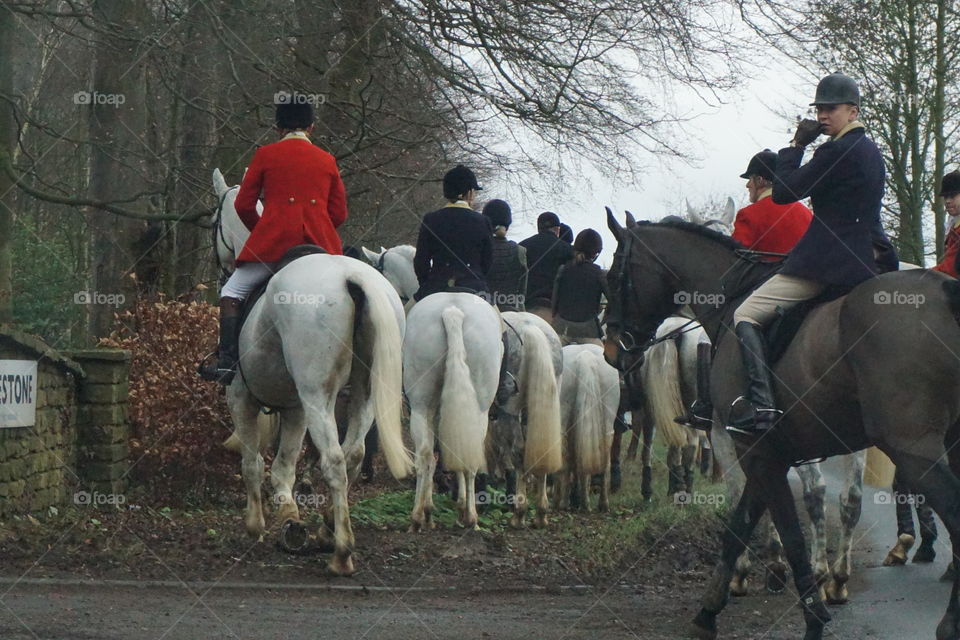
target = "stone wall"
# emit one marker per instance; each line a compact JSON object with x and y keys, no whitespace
{"x":79,"y":441}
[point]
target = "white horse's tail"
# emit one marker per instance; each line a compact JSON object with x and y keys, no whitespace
{"x":542,"y":453}
{"x":268,"y":426}
{"x":661,"y":380}
{"x":386,"y":373}
{"x":589,"y":429}
{"x":463,"y":423}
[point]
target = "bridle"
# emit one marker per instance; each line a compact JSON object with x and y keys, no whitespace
{"x":628,"y":341}
{"x":219,"y":237}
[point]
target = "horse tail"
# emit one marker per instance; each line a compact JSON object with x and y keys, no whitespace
{"x":542,"y":453}
{"x":879,"y":470}
{"x":386,"y":372}
{"x":661,"y":380}
{"x":589,"y":432}
{"x":268,"y":425}
{"x":463,"y":425}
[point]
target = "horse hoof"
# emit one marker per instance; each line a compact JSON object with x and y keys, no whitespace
{"x":704,"y":626}
{"x":897,"y":556}
{"x":926,"y":553}
{"x":776,"y":580}
{"x":738,"y":587}
{"x":540,"y":522}
{"x":341,"y":566}
{"x":836,"y":593}
{"x":288,"y":511}
{"x":294,"y":537}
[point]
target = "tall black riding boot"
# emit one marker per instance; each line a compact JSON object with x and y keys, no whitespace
{"x":228,"y":352}
{"x":701,"y":411}
{"x":763,"y":412}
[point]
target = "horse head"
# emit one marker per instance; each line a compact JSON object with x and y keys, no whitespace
{"x":396,"y":265}
{"x":719,"y":218}
{"x":657,"y":269}
{"x":230,"y":233}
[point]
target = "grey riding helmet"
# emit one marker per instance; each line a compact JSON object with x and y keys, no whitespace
{"x":837,"y":88}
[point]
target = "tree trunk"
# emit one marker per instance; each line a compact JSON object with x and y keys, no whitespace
{"x":7,"y":143}
{"x":116,"y":130}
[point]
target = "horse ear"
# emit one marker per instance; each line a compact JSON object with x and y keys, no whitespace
{"x":613,"y":225}
{"x":219,"y":184}
{"x":729,"y":211}
{"x":693,"y":216}
{"x":631,"y":221}
{"x":371,"y":256}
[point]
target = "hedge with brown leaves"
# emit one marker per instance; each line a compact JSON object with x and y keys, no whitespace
{"x":178,"y":420}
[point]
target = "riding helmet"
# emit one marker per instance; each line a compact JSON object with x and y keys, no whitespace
{"x":294,"y":115}
{"x":498,"y":212}
{"x":458,"y":181}
{"x":837,"y":88}
{"x":588,"y":242}
{"x":950,"y":185}
{"x":763,"y":164}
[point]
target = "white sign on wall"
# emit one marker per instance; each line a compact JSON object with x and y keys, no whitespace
{"x":18,"y":393}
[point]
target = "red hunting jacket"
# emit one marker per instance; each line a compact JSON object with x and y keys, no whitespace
{"x":951,"y":252}
{"x":768,"y":226}
{"x":303,"y":200}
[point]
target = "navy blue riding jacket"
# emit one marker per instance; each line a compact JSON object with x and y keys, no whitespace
{"x":454,"y":249}
{"x":844,"y":181}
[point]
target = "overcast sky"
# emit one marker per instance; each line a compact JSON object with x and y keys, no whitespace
{"x":723,"y":138}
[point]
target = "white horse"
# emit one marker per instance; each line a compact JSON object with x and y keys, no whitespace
{"x":323,"y":322}
{"x":451,"y":367}
{"x":396,"y":265}
{"x":590,"y":396}
{"x":525,"y":438}
{"x":717,"y":217}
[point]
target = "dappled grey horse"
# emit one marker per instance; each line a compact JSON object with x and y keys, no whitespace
{"x":833,"y":383}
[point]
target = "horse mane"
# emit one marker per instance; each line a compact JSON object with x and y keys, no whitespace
{"x":696,"y":229}
{"x":406,"y":250}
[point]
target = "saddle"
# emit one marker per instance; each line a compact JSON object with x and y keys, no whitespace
{"x":292,"y":254}
{"x":784,"y":328}
{"x":754,"y":271}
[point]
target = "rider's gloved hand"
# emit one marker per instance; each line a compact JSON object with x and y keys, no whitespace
{"x":807,"y":131}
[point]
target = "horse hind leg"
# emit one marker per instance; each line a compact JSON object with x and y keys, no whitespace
{"x":850,"y":507}
{"x":814,"y":492}
{"x":422,"y":432}
{"x":283,"y":470}
{"x":244,"y":412}
{"x":323,"y":431}
{"x":941,"y":489}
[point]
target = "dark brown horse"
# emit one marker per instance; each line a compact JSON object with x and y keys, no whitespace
{"x":880,"y":366}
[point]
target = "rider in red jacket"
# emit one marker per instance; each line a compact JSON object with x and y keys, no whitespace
{"x":950,"y":192}
{"x":764,"y":225}
{"x":304,"y":201}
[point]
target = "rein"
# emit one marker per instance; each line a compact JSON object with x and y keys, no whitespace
{"x":219,"y":237}
{"x":628,"y":343}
